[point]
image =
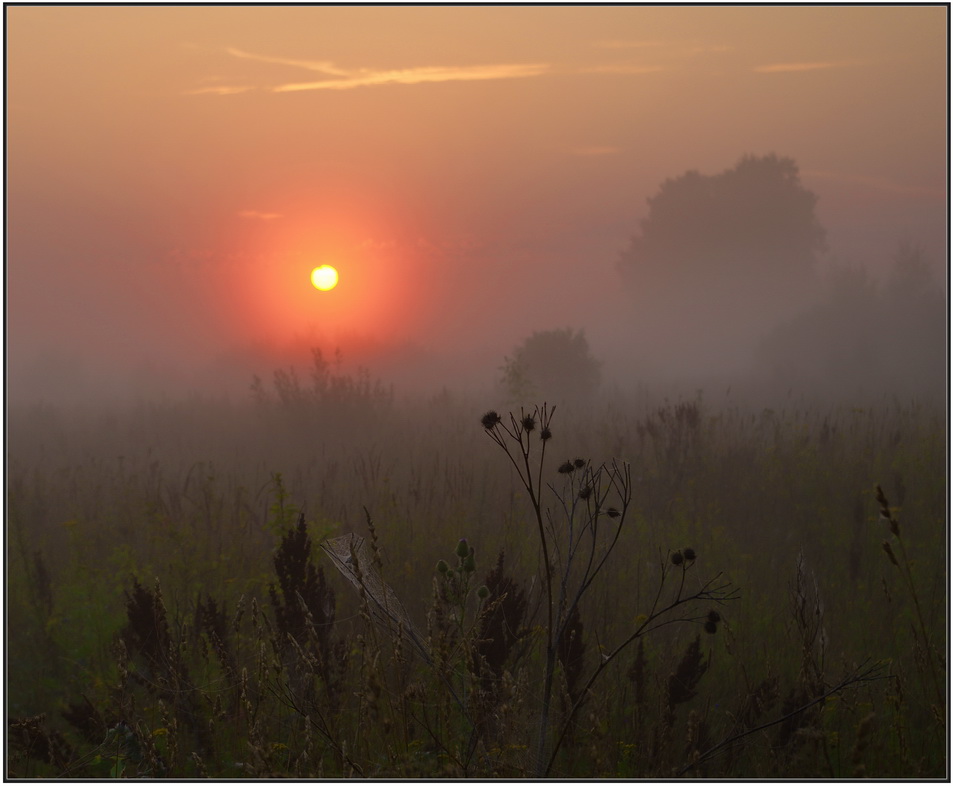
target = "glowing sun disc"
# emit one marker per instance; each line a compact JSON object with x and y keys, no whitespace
{"x":324,"y":278}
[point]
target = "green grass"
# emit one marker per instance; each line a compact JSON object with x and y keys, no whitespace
{"x":195,"y":499}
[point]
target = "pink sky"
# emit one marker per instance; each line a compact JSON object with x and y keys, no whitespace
{"x":174,"y":173}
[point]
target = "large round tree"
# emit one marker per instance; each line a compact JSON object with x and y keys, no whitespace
{"x":721,"y":257}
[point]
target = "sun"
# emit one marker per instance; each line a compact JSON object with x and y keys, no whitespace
{"x":324,"y":278}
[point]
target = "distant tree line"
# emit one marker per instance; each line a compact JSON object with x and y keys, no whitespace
{"x":725,"y":270}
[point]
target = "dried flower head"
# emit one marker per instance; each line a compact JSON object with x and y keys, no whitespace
{"x":566,"y":467}
{"x":689,"y":553}
{"x":677,"y":558}
{"x":585,"y":492}
{"x":711,"y":627}
{"x":490,"y":419}
{"x":528,"y":422}
{"x":714,"y":616}
{"x":579,"y":463}
{"x":613,"y":513}
{"x":545,"y":434}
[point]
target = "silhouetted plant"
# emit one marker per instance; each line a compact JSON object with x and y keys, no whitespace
{"x":166,"y":676}
{"x":575,"y":544}
{"x":571,"y":650}
{"x":147,"y":630}
{"x":30,"y":739}
{"x":682,"y":683}
{"x":330,"y":390}
{"x":903,"y":564}
{"x":304,"y":604}
{"x":500,"y":625}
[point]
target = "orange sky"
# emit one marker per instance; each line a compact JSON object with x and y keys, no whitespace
{"x":174,"y":173}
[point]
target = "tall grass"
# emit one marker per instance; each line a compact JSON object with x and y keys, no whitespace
{"x":171,"y":612}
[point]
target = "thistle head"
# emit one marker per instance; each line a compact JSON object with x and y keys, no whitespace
{"x":490,"y":420}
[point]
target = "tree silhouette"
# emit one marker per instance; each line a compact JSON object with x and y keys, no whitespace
{"x":553,"y":364}
{"x":866,"y":336}
{"x":730,"y":252}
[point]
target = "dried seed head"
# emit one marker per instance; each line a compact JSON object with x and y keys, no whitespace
{"x":490,"y":419}
{"x":579,"y":463}
{"x":689,"y":553}
{"x":613,"y":513}
{"x":714,"y":616}
{"x":889,"y":552}
{"x":677,"y":558}
{"x":529,"y":423}
{"x":545,"y":434}
{"x":710,"y":627}
{"x":566,"y":467}
{"x":585,"y":492}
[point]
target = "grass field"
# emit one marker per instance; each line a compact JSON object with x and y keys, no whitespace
{"x":724,"y":592}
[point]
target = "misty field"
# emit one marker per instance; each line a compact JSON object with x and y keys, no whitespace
{"x":726,"y":592}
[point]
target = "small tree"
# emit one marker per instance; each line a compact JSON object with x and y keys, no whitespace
{"x":552,"y":364}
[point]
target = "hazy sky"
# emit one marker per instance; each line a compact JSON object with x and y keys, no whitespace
{"x":174,"y":173}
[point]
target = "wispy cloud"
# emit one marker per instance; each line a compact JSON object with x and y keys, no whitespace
{"x":414,"y":76}
{"x":336,"y":77}
{"x":779,"y":68}
{"x":621,"y":68}
{"x":321,"y":66}
{"x":257,"y":214}
{"x":220,"y":90}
